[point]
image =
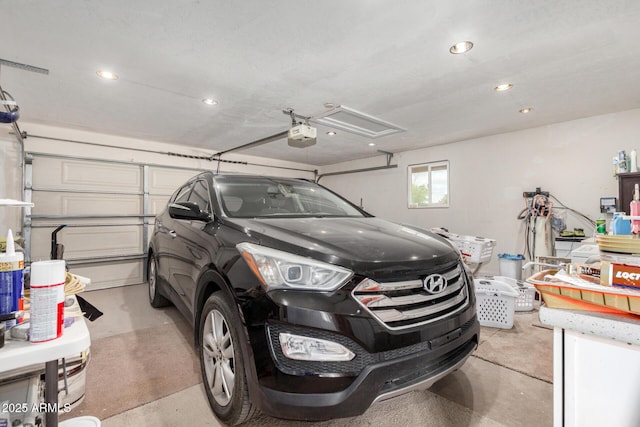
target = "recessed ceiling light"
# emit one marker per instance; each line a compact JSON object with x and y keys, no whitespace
{"x":210,"y":101}
{"x":461,"y":47}
{"x":372,"y":144}
{"x":526,"y":110}
{"x":329,"y":105}
{"x":502,"y":87}
{"x":331,"y":132}
{"x":108,"y":75}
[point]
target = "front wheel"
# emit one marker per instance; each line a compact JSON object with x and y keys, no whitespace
{"x":221,"y":362}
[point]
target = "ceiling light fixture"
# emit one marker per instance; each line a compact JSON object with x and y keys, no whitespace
{"x":107,"y":75}
{"x":502,"y":87}
{"x":372,"y":144}
{"x":210,"y":101}
{"x":526,"y":110}
{"x":461,"y":47}
{"x":331,"y":133}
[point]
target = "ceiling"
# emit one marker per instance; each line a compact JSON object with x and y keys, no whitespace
{"x":390,"y":59}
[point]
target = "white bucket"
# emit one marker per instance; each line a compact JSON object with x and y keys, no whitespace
{"x":86,"y":421}
{"x":511,"y":266}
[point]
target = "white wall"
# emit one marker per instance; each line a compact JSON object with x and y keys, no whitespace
{"x":571,"y":160}
{"x":10,"y":177}
{"x":11,"y":180}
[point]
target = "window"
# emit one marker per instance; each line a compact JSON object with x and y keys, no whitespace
{"x":429,"y":185}
{"x":200,"y":196}
{"x":182,"y":195}
{"x":259,"y":197}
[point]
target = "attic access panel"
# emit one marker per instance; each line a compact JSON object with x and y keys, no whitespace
{"x":353,"y":121}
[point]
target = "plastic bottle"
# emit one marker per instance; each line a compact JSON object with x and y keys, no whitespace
{"x":11,"y":278}
{"x":620,"y":226}
{"x":47,"y":300}
{"x":622,"y":161}
{"x":634,"y":209}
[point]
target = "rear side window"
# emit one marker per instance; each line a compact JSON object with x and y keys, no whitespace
{"x":182,"y":195}
{"x":200,"y":196}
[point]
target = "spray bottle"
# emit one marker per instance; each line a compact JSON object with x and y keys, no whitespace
{"x":11,"y":278}
{"x":634,"y":209}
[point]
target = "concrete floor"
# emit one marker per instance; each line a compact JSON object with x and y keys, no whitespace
{"x":488,"y":390}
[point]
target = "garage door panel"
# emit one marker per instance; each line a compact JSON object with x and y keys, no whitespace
{"x":166,"y":180}
{"x":66,"y":174}
{"x":56,"y":203}
{"x":105,"y":205}
{"x":89,"y":242}
{"x":111,"y":274}
{"x":157,"y":204}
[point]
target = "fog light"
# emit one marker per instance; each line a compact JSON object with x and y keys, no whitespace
{"x":298,"y":347}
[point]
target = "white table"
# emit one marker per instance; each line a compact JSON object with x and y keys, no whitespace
{"x":596,"y":368}
{"x":18,"y":353}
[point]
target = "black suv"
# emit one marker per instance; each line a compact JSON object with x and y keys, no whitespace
{"x":305,"y":306}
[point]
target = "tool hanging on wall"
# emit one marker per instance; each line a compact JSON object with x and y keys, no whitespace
{"x":542,"y":217}
{"x":538,"y":230}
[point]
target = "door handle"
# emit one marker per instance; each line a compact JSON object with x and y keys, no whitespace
{"x":173,"y":233}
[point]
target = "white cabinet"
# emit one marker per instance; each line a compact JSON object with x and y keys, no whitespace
{"x":596,"y":377}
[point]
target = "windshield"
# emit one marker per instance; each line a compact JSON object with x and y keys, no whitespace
{"x":261,"y":197}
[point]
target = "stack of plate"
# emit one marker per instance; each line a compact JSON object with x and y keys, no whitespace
{"x":624,"y":244}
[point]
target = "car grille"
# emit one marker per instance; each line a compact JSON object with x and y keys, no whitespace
{"x":400,"y":305}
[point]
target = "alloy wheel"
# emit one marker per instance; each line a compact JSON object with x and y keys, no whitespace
{"x":219,"y":357}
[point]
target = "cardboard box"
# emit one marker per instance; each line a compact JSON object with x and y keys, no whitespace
{"x":627,"y":276}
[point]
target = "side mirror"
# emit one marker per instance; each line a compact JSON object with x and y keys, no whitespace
{"x":188,"y":210}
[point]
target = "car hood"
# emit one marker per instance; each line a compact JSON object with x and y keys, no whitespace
{"x":362,"y":244}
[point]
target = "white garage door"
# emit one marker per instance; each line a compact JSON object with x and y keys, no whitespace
{"x":107,"y":207}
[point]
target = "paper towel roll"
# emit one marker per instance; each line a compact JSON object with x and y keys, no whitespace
{"x":47,"y":300}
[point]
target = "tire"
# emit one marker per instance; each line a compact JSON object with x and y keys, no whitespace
{"x":155,"y":299}
{"x":221,"y":362}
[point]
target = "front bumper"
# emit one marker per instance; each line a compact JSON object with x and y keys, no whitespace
{"x":316,"y":391}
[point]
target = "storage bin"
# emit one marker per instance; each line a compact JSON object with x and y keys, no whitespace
{"x":495,"y":303}
{"x":511,"y":265}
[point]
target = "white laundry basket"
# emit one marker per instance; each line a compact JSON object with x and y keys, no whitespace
{"x":526,"y":292}
{"x":476,"y":250}
{"x":495,"y":303}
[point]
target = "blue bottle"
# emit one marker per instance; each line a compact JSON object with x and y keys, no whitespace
{"x":620,"y":225}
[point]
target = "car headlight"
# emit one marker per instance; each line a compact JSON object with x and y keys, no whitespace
{"x":277,"y":269}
